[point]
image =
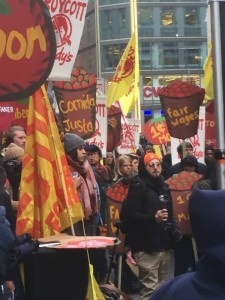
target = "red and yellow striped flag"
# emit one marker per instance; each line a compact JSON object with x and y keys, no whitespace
{"x":125,"y":83}
{"x":48,"y":202}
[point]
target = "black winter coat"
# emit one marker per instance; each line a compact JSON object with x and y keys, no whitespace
{"x":141,"y":205}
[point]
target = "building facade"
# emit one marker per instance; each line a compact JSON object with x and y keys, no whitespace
{"x":172,"y":39}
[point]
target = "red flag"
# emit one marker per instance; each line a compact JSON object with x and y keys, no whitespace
{"x":49,"y":202}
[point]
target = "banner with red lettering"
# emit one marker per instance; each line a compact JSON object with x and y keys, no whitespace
{"x":156,"y":131}
{"x":99,"y":138}
{"x":77,"y":101}
{"x":28,"y":48}
{"x":12,"y":113}
{"x":68,"y":21}
{"x":114,"y":127}
{"x":197,"y":141}
{"x":130,"y":136}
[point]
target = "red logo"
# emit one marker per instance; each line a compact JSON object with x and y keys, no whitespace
{"x":63,"y":29}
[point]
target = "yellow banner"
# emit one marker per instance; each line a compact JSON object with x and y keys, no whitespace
{"x":125,"y":83}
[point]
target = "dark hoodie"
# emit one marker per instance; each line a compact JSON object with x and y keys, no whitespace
{"x":207,"y":215}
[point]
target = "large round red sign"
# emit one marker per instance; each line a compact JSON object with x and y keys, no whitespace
{"x":27,"y":48}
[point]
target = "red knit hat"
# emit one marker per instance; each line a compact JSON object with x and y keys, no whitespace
{"x":150,"y":156}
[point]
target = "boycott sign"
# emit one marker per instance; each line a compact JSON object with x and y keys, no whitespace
{"x":77,"y":101}
{"x":181,"y":101}
{"x":99,"y":138}
{"x":156,"y":131}
{"x":68,"y":21}
{"x":130,"y":136}
{"x":27,"y":48}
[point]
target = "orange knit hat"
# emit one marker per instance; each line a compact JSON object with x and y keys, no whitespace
{"x":150,"y":156}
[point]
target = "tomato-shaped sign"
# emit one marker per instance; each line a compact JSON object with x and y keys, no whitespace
{"x":27,"y":48}
{"x":156,"y":131}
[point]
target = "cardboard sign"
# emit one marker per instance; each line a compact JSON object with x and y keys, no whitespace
{"x":156,"y":131}
{"x":197,"y":141}
{"x":99,"y":137}
{"x":180,"y":210}
{"x":27,"y":49}
{"x":77,"y":101}
{"x":114,"y":127}
{"x":68,"y":21}
{"x":180,"y":101}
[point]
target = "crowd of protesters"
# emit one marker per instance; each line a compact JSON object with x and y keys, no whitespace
{"x":159,"y":249}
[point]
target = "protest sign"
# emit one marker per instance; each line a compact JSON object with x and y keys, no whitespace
{"x":130,"y":136}
{"x":197,"y":141}
{"x":76,"y":101}
{"x":180,"y":186}
{"x":12,"y":113}
{"x":99,"y":137}
{"x":114,"y":127}
{"x":68,"y":21}
{"x":156,"y":131}
{"x":180,"y":101}
{"x":27,"y":48}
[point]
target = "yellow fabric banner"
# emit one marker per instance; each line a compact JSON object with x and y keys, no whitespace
{"x":208,"y":76}
{"x":48,"y":195}
{"x":93,"y":291}
{"x":125,"y":83}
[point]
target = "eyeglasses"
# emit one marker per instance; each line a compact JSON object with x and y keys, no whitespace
{"x":154,"y":165}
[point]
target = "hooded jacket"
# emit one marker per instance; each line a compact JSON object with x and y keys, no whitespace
{"x":207,"y":215}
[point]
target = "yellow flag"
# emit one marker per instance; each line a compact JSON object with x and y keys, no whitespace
{"x":93,"y":291}
{"x":44,"y":207}
{"x":208,"y":76}
{"x":125,"y":83}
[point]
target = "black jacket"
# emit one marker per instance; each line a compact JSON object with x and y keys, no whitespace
{"x":141,"y":205}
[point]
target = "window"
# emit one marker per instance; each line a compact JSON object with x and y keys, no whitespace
{"x":167,"y":16}
{"x":191,"y":16}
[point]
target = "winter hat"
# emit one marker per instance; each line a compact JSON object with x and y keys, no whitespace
{"x":72,"y":141}
{"x":150,"y":156}
{"x":190,"y":160}
{"x":12,"y":152}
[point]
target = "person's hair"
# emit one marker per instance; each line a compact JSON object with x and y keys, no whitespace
{"x":92,"y":149}
{"x":180,"y":147}
{"x":119,"y":162}
{"x":73,"y":154}
{"x":9,"y":135}
{"x":208,"y":147}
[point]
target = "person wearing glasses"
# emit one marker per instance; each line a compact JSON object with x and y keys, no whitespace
{"x":148,"y":214}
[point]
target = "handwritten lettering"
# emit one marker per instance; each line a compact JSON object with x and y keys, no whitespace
{"x":63,"y":57}
{"x":21,"y":114}
{"x":24,"y":45}
{"x":181,"y":116}
{"x":79,"y":125}
{"x":74,"y":105}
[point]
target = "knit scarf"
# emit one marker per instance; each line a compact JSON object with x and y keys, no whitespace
{"x":87,"y":191}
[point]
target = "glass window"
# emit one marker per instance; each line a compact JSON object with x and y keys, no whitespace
{"x":115,"y":23}
{"x":111,"y":55}
{"x":191,"y":16}
{"x":145,"y":55}
{"x":166,"y":79}
{"x":167,"y":16}
{"x":147,"y":80}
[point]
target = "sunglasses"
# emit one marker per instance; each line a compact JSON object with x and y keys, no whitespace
{"x":154,"y":165}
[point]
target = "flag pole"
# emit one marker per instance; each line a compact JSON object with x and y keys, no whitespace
{"x":218,"y":86}
{"x":134,"y":28}
{"x":59,"y":166}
